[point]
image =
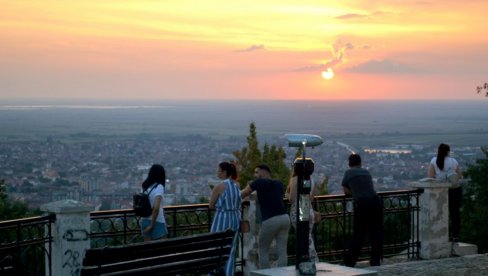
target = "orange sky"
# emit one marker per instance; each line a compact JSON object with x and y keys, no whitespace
{"x":243,"y":49}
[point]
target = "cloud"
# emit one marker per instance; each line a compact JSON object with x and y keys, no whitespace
{"x":310,"y":68}
{"x":385,"y":66}
{"x":338,"y":52}
{"x":252,"y":48}
{"x":350,"y":16}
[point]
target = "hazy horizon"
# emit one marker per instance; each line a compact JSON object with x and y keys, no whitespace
{"x":460,"y":120}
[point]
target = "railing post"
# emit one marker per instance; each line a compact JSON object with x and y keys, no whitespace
{"x":71,"y":235}
{"x":434,"y":219}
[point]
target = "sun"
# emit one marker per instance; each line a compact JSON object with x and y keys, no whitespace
{"x":328,"y":74}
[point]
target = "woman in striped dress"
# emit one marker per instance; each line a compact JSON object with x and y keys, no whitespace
{"x":226,"y":200}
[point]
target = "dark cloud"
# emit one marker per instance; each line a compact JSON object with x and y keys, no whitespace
{"x":385,"y":66}
{"x":252,"y":48}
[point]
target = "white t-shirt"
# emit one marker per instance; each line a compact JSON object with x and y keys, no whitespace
{"x":450,"y":166}
{"x":158,"y":191}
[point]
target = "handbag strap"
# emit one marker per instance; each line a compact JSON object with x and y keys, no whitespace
{"x":154,"y":186}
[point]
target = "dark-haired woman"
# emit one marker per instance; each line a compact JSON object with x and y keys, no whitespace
{"x":153,"y":227}
{"x":444,"y":168}
{"x":291,"y":195}
{"x":226,"y":199}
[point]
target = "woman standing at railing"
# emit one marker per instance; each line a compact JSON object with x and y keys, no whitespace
{"x":226,"y":199}
{"x":291,"y":195}
{"x":154,"y":226}
{"x":445,"y":168}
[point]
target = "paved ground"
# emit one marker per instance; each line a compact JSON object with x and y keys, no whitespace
{"x":470,"y":265}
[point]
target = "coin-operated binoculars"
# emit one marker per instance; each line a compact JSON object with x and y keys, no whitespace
{"x":304,"y":168}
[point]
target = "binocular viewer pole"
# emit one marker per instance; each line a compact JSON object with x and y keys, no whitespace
{"x":304,"y":168}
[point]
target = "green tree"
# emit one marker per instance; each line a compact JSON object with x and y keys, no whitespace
{"x":483,"y":88}
{"x":250,"y":156}
{"x":274,"y":157}
{"x":12,"y":209}
{"x":475,"y":211}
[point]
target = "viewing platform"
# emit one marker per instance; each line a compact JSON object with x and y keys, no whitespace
{"x":468,"y":265}
{"x":54,"y":244}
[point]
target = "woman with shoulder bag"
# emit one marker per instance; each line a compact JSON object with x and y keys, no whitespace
{"x":153,"y":227}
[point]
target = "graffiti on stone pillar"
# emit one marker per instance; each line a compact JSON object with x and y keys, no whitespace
{"x":72,"y":258}
{"x":72,"y":262}
{"x":76,"y":235}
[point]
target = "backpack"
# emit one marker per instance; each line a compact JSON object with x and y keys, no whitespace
{"x":141,"y":204}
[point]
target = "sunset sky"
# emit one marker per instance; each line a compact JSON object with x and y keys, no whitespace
{"x":165,"y":49}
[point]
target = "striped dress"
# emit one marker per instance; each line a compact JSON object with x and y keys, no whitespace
{"x":228,"y":216}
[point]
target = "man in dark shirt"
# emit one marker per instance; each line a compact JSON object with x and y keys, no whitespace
{"x":368,"y":212}
{"x":275,"y":220}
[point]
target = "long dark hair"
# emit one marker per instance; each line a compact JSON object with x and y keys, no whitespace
{"x":156,"y":175}
{"x":442,"y":152}
{"x":230,"y":170}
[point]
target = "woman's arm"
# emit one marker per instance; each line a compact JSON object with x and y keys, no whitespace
{"x":459,"y":172}
{"x":431,"y":172}
{"x":216,"y":192}
{"x":292,"y":195}
{"x":155,"y":213}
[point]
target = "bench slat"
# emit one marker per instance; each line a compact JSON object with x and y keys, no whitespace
{"x":191,"y":263}
{"x":199,"y":252}
{"x":107,"y":255}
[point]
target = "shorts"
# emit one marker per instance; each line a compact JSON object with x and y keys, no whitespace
{"x":159,"y":230}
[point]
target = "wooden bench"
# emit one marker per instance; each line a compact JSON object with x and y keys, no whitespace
{"x":197,"y":254}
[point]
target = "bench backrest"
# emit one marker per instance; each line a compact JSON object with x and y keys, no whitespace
{"x":196,"y":254}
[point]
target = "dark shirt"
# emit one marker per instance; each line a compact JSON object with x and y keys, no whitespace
{"x":359,"y":182}
{"x":270,"y":197}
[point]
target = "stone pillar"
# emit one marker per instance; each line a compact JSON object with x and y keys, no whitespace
{"x":71,"y":235}
{"x":434,"y":220}
{"x":250,"y":251}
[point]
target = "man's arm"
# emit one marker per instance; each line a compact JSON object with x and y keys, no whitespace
{"x":345,"y":186}
{"x":246,"y":191}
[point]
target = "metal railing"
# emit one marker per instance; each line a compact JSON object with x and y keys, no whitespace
{"x":400,"y":224}
{"x":118,"y":227}
{"x":26,"y":246}
{"x":401,"y":214}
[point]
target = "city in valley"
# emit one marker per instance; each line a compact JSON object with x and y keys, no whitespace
{"x":101,"y":156}
{"x":107,"y":173}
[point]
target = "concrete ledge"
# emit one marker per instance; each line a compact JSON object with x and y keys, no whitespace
{"x":322,"y":269}
{"x":67,"y":206}
{"x":467,"y":265}
{"x":463,"y":249}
